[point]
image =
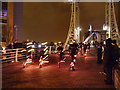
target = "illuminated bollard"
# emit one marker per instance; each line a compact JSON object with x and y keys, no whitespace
{"x":16,"y":57}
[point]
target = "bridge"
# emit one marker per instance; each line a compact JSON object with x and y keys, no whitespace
{"x":86,"y":74}
{"x":19,"y":71}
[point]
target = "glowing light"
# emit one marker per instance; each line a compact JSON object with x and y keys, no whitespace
{"x":55,"y":43}
{"x":29,"y":43}
{"x":74,"y":60}
{"x":3,"y":48}
{"x":29,"y":46}
{"x":119,"y":46}
{"x":33,"y":46}
{"x":88,"y":38}
{"x":44,"y":43}
{"x":70,"y":0}
{"x":28,"y":61}
{"x":90,"y":29}
{"x":3,"y":13}
{"x":42,"y":60}
{"x":59,"y":42}
{"x":72,"y":64}
{"x":75,"y":55}
{"x":105,"y":27}
{"x":23,"y":50}
{"x":30,"y":50}
{"x":79,"y":29}
{"x":45,"y":49}
{"x":46,"y":52}
{"x":39,"y":45}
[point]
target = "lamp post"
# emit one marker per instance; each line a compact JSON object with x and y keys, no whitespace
{"x":15,"y":26}
{"x":78,"y":34}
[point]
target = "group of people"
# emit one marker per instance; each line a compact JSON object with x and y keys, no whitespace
{"x":74,"y":48}
{"x":84,"y":46}
{"x":110,"y":54}
{"x":12,"y":45}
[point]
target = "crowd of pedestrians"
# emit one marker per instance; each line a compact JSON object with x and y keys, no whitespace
{"x":13,"y":45}
{"x":110,"y":54}
{"x":74,"y":48}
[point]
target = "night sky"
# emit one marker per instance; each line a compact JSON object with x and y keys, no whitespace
{"x":50,"y":21}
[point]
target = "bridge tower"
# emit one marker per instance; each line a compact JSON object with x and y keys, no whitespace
{"x":111,"y":22}
{"x":73,"y":33}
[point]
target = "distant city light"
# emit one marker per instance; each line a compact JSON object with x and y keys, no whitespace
{"x":3,"y":13}
{"x":55,"y":43}
{"x":59,"y":42}
{"x":39,"y":46}
{"x":105,"y":27}
{"x":90,"y":29}
{"x":3,"y":48}
{"x":70,"y":0}
{"x":79,"y":29}
{"x":33,"y":46}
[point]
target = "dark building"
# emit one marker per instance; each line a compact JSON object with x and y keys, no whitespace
{"x":119,"y":16}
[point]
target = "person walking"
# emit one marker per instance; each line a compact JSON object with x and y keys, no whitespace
{"x":85,"y":47}
{"x":108,"y":61}
{"x":80,"y":45}
{"x":99,"y":54}
{"x":73,"y":49}
{"x":88,"y":46}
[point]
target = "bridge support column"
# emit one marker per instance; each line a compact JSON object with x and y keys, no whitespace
{"x":98,"y":37}
{"x":9,"y":36}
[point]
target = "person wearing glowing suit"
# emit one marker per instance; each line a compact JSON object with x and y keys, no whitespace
{"x":60,"y":50}
{"x":73,"y":49}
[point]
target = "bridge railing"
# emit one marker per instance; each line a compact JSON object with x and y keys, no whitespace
{"x":52,"y":49}
{"x":12,"y":55}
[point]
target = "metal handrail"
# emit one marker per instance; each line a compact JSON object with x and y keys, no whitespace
{"x":12,"y":55}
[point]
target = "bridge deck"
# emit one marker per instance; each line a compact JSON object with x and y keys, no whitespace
{"x":50,"y":76}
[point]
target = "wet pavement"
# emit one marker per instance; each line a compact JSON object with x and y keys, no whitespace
{"x":86,"y":74}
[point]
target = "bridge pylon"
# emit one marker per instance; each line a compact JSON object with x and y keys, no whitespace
{"x":73,"y":33}
{"x":111,"y":22}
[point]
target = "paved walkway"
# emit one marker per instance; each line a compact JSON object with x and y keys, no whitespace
{"x":86,"y":74}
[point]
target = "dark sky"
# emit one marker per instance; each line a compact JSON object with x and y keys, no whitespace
{"x":50,"y":21}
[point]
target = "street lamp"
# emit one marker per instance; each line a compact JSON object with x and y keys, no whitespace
{"x":90,"y":29}
{"x":107,"y":28}
{"x":15,"y":26}
{"x":79,"y":34}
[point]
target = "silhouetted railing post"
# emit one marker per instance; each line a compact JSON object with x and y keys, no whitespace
{"x":16,"y":57}
{"x":50,"y":49}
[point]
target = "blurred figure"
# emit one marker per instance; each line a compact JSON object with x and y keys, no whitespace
{"x":73,"y":49}
{"x":85,"y":47}
{"x":15,"y":44}
{"x":109,"y":61}
{"x":10,"y":46}
{"x":80,"y":45}
{"x":116,"y":51}
{"x":99,"y":53}
{"x":60,"y":50}
{"x":88,"y":46}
